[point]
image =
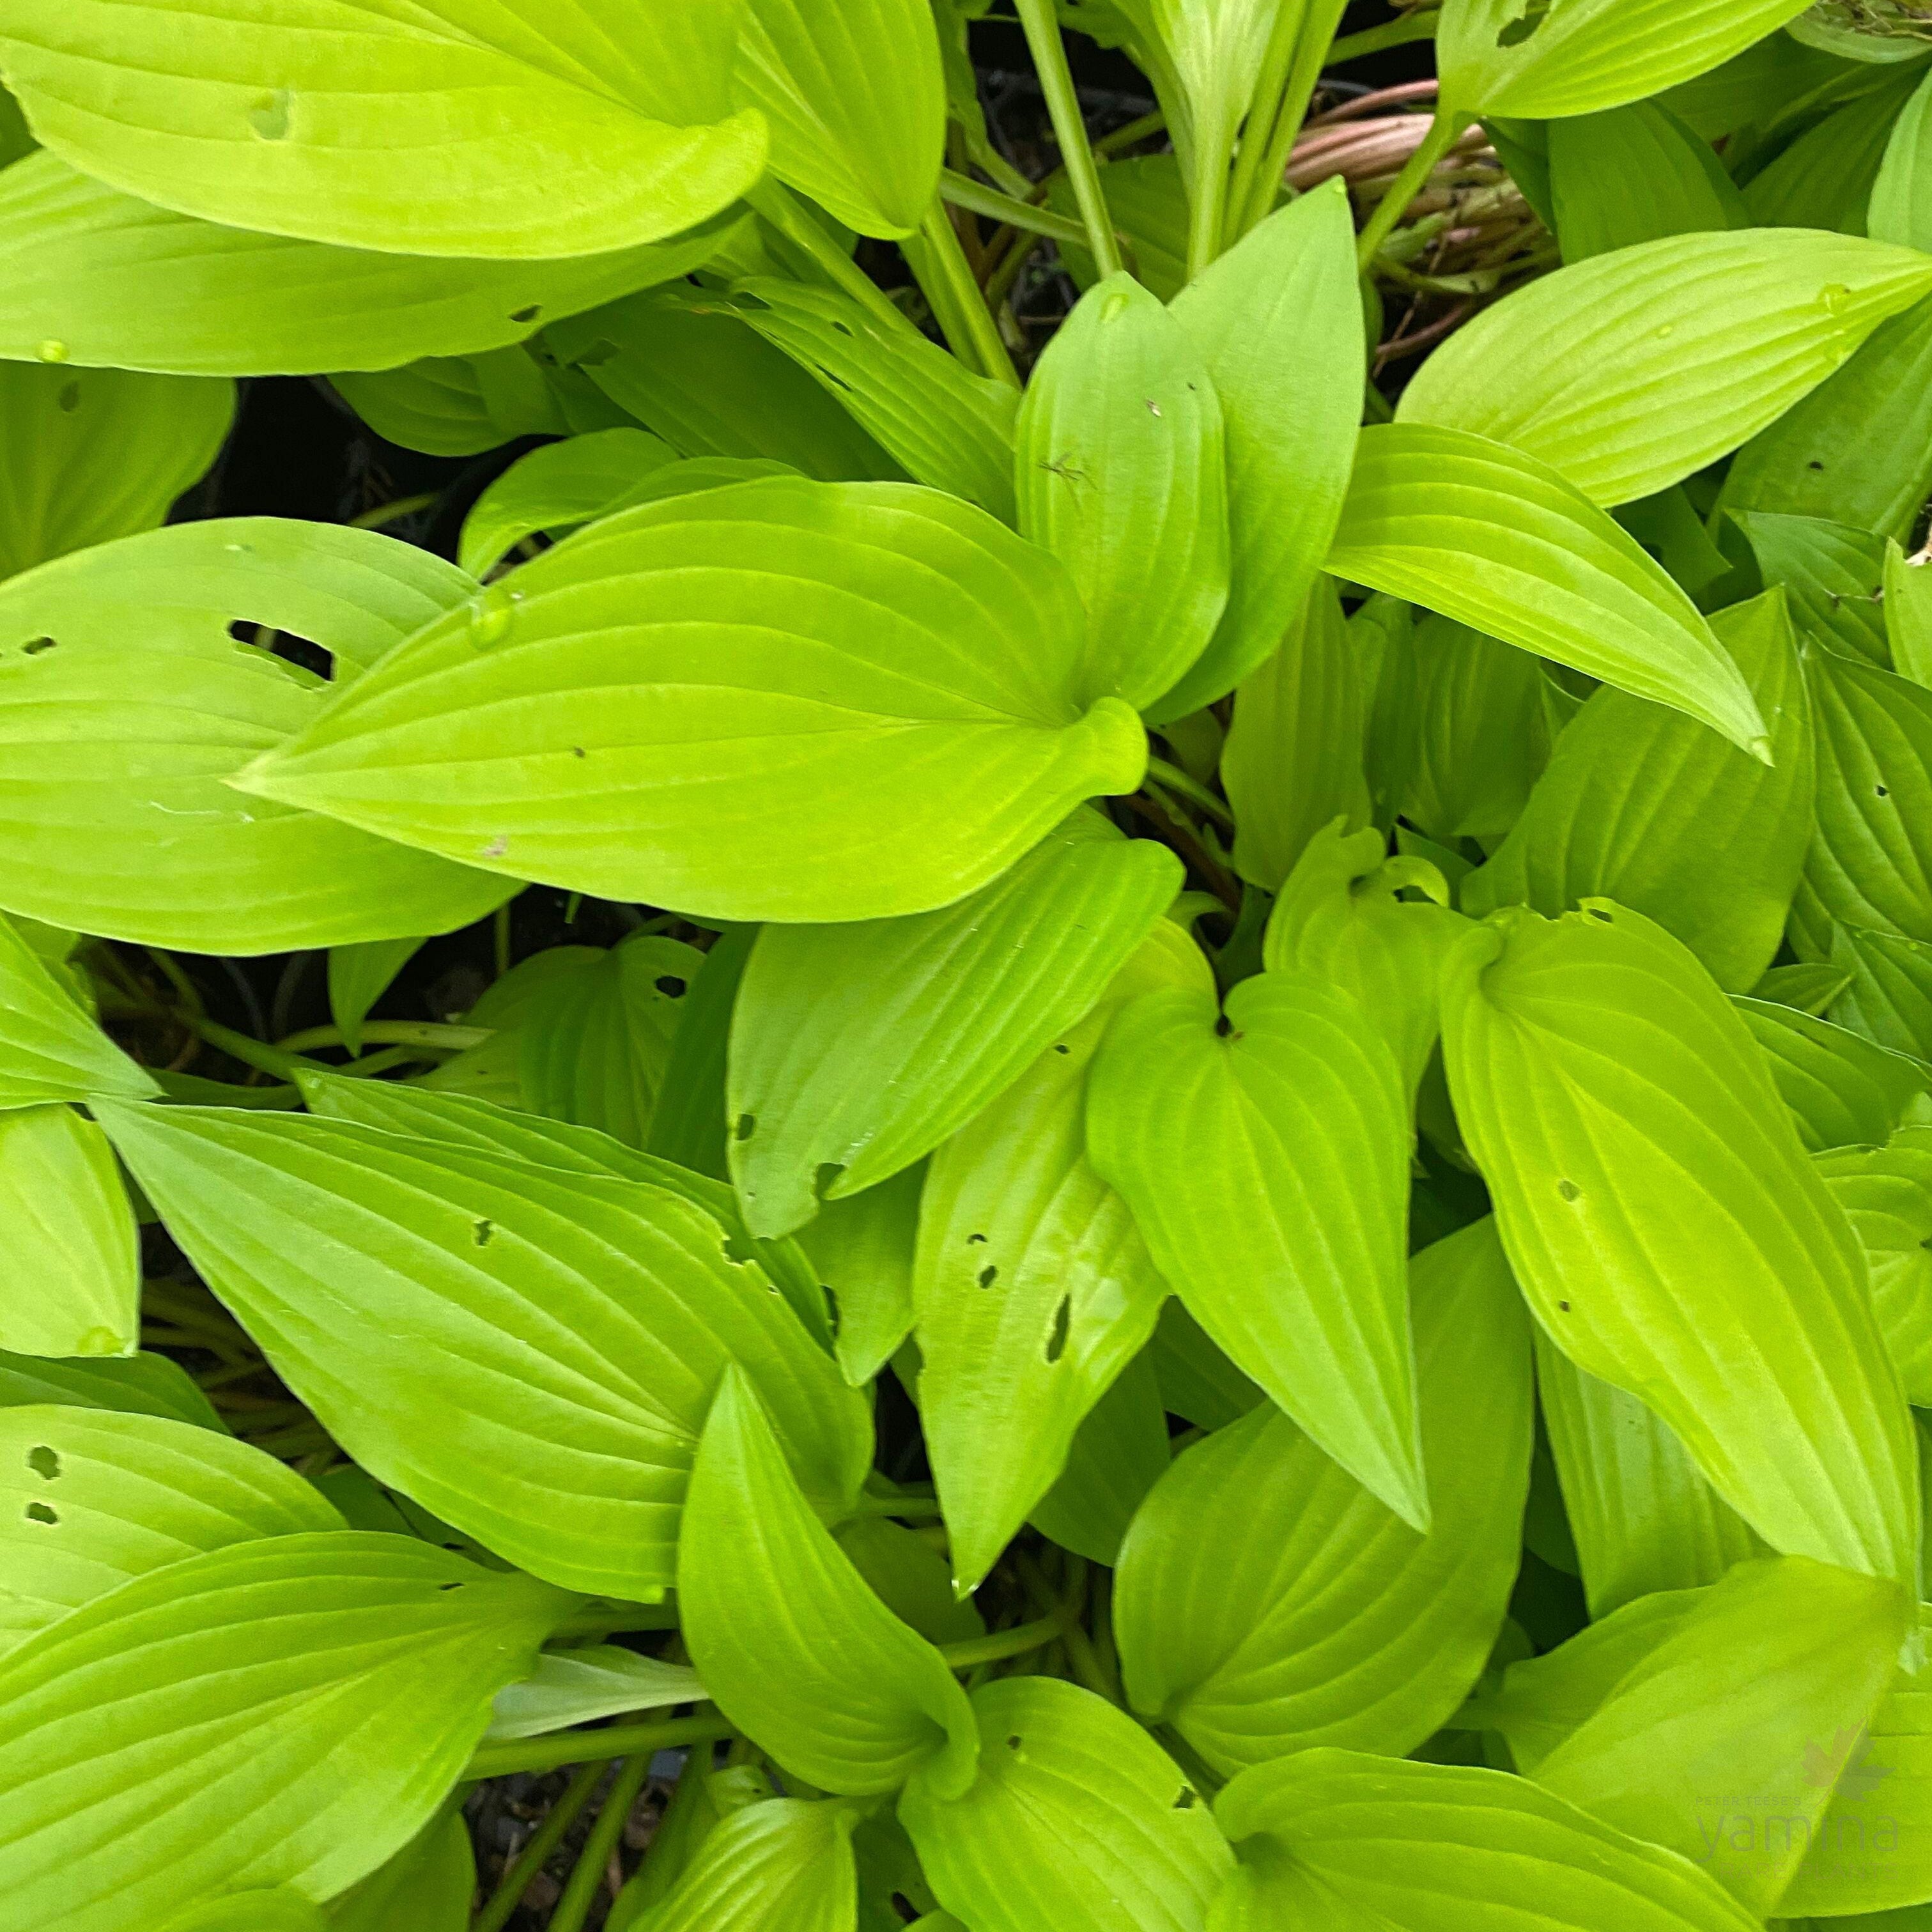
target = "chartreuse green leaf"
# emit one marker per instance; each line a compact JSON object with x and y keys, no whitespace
{"x":1908,"y":615}
{"x":457,"y":406}
{"x":1636,"y":174}
{"x":557,"y":488}
{"x":1497,"y":540}
{"x":1786,"y":1657}
{"x":779,"y":700}
{"x":50,"y":1049}
{"x":1669,"y":1230}
{"x":476,"y":1125}
{"x":1077,"y":1820}
{"x":281,"y":1910}
{"x":1901,"y":200}
{"x":858,"y":1047}
{"x":854,"y":94}
{"x":1833,"y":573}
{"x":1121,"y":469}
{"x":1826,"y":177}
{"x":1033,"y":1287}
{"x":1282,"y":339}
{"x":1858,"y":450}
{"x":1641,"y":804}
{"x":1339,"y":917}
{"x":1643,"y":1519}
{"x":596,"y":1043}
{"x":1544,"y":59}
{"x":1843,"y":1090}
{"x":1886,"y":1192}
{"x":558,"y":131}
{"x":1294,"y":755}
{"x":69,"y":1233}
{"x":1594,"y":370}
{"x":784,"y":1862}
{"x":290,"y":1711}
{"x":1871,"y":864}
{"x":358,"y":976}
{"x":119,"y":281}
{"x":1889,"y":999}
{"x":862,"y":1246}
{"x":95,"y":454}
{"x":426,"y":1886}
{"x":1148,"y":201}
{"x":90,"y":1499}
{"x":141,"y":1384}
{"x":1267,"y":1603}
{"x":690,"y":367}
{"x":1283,"y":1230}
{"x":942,"y":424}
{"x":688,"y":1125}
{"x":791,"y":1643}
{"x":567,"y":1331}
{"x":126,"y":703}
{"x":1197,"y":1382}
{"x":573,"y":1686}
{"x":1335,"y":1838}
{"x":1119,"y":1452}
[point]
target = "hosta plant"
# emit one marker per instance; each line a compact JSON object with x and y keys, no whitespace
{"x":1044,"y":1043}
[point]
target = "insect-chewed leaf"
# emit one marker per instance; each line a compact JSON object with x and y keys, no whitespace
{"x":1363,"y":1843}
{"x":1833,"y":573}
{"x":92,"y":454}
{"x":559,"y":129}
{"x":596,"y":1043}
{"x":1843,"y":1090}
{"x":1858,"y":450}
{"x":691,"y":368}
{"x":1077,"y":1820}
{"x":49,"y":1049}
{"x":1640,"y":805}
{"x":856,"y":1048}
{"x":1871,"y":864}
{"x":862,"y":1245}
{"x":1787,"y":1656}
{"x":944,"y":425}
{"x":1669,"y":1232}
{"x":1119,"y":1452}
{"x":1121,"y":471}
{"x":338,"y":1681}
{"x":1499,"y":541}
{"x":1887,"y":1192}
{"x":1295,"y":751}
{"x":89,"y":1499}
{"x":115,"y":280}
{"x":854,"y":94}
{"x":781,"y":700}
{"x":1643,"y":1518}
{"x":573,"y":1686}
{"x":1628,"y":373}
{"x":1636,"y":174}
{"x":141,"y":1384}
{"x":125,"y":703}
{"x":1544,"y":59}
{"x":688,"y":1124}
{"x":426,"y":1886}
{"x":558,"y":486}
{"x":1033,"y":1287}
{"x":69,"y":1235}
{"x":1339,"y":919}
{"x":783,"y":1862}
{"x":791,"y":1642}
{"x":567,"y":1331}
{"x":1282,"y":344}
{"x":1283,"y":1230}
{"x":1267,"y":1603}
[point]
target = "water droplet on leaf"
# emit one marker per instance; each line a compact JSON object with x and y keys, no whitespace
{"x":53,"y":350}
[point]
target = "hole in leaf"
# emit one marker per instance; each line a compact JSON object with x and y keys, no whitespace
{"x":33,"y":647}
{"x":44,"y":1462}
{"x":988,"y":1275}
{"x":1224,"y":1027}
{"x":1063,"y":1320}
{"x":42,"y":1513}
{"x":529,"y":314}
{"x":1881,"y":790}
{"x":747,"y":1126}
{"x":1564,"y":1305}
{"x":1569,"y":1190}
{"x":1187,"y":1799}
{"x":449,"y":1586}
{"x":482,"y":1232}
{"x":671,"y":986}
{"x":69,"y":398}
{"x":578,"y":752}
{"x":1014,"y":1742}
{"x":1814,"y":464}
{"x":1525,"y":25}
{"x":976,"y":1240}
{"x":826,"y":1172}
{"x":1602,"y":917}
{"x":1061,"y":1046}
